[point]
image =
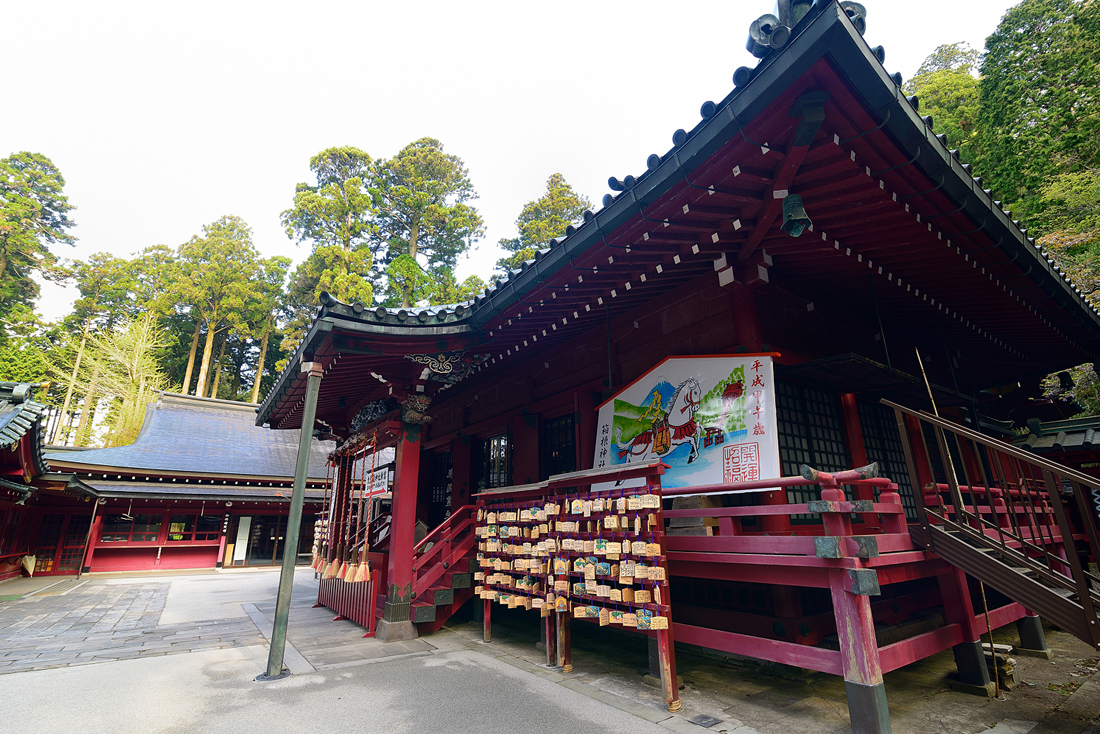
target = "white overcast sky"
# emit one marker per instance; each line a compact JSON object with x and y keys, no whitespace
{"x":162,"y":117}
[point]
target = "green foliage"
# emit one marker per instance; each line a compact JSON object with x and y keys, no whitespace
{"x":1078,"y":385}
{"x":216,"y":272}
{"x":421,"y":197}
{"x":542,"y":220}
{"x":218,"y":278}
{"x":1039,"y":107}
{"x":337,"y":210}
{"x":106,"y":284}
{"x":121,"y":367}
{"x":33,"y":215}
{"x":336,"y":216}
{"x":331,"y":268}
{"x":1078,"y":254}
{"x":948,"y":91}
{"x":25,"y":354}
{"x":1071,"y":201}
{"x":447,"y":290}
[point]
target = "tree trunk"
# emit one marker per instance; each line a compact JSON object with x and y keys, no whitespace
{"x":217,"y":368}
{"x":72,"y":380}
{"x":85,"y":424}
{"x":260,"y":369}
{"x":191,"y":358}
{"x":414,"y":236}
{"x":207,"y":351}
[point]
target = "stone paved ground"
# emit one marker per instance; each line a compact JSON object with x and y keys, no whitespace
{"x":52,"y":640}
{"x":100,"y":622}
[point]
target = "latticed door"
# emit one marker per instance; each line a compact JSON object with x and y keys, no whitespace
{"x":73,"y":542}
{"x":59,"y":548}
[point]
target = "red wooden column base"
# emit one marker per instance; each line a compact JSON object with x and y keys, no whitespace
{"x":396,"y":623}
{"x":855,"y":629}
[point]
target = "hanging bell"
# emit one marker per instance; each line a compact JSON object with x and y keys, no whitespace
{"x":795,"y":219}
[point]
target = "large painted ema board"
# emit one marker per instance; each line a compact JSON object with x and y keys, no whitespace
{"x":711,"y":419}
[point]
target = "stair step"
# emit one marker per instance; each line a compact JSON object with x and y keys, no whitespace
{"x":440,"y":595}
{"x":458,"y":580}
{"x":422,"y":612}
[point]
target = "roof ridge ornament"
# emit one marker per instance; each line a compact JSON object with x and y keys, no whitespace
{"x":772,"y":31}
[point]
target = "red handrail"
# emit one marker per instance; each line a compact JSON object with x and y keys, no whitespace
{"x":442,"y":526}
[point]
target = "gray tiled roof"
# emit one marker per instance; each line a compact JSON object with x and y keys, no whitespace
{"x":20,"y":414}
{"x":181,"y":490}
{"x":201,"y":436}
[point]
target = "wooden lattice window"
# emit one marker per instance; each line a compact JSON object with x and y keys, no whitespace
{"x":811,"y":431}
{"x":559,"y":446}
{"x":495,"y":462}
{"x":883,"y":444}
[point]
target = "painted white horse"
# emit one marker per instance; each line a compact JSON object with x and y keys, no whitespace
{"x":681,"y":426}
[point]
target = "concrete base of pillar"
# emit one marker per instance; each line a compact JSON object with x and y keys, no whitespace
{"x":1046,"y":654}
{"x":867,"y":708}
{"x":395,"y":631}
{"x":654,"y":660}
{"x":988,"y":690}
{"x":970,"y":660}
{"x":1033,"y":641}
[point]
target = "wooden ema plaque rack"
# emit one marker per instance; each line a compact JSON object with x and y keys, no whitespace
{"x":572,"y":552}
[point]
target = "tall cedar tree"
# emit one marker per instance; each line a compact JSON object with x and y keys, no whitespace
{"x":542,"y":220}
{"x":217,"y":275}
{"x":423,"y":220}
{"x":34,"y":213}
{"x":335,"y":217}
{"x":1040,"y":106}
{"x":947,"y":87}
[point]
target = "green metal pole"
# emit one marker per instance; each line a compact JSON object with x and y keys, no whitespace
{"x":293,"y":526}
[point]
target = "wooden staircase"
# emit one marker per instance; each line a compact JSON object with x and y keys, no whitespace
{"x":1022,"y":524}
{"x":444,"y":563}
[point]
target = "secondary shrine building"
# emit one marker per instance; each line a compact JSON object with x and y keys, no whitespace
{"x":201,"y":487}
{"x":741,"y":325}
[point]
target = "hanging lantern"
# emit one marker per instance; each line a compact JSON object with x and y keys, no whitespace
{"x":795,"y":219}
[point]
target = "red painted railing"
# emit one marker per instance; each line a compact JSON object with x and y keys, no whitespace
{"x":443,"y":547}
{"x":355,"y":601}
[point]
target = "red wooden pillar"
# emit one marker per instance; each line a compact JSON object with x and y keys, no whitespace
{"x":859,"y":649}
{"x":747,"y":334}
{"x":461,"y":479}
{"x":584,"y":426}
{"x":396,"y":622}
{"x":854,"y":433}
{"x":487,"y":621}
{"x":93,"y":537}
{"x":748,"y":337}
{"x":525,"y":449}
